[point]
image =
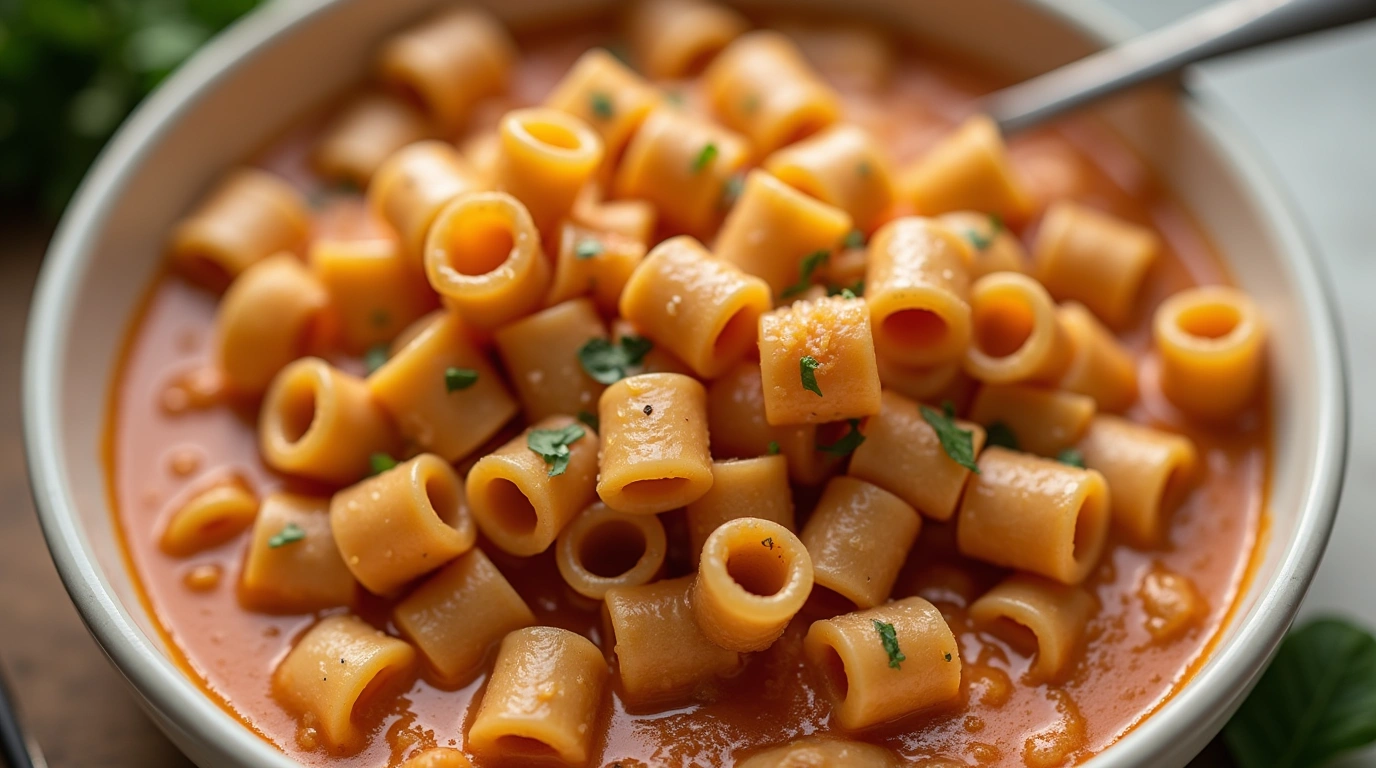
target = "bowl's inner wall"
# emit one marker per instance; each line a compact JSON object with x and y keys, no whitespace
{"x":252,"y":101}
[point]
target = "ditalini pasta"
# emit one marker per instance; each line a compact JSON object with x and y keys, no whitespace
{"x":683,"y":392}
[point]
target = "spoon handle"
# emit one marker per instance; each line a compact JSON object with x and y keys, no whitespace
{"x":1224,"y":28}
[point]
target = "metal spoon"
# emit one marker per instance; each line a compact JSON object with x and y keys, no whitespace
{"x":17,"y":748}
{"x":1221,"y":29}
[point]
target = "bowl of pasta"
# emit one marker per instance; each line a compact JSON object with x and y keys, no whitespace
{"x":431,"y":385}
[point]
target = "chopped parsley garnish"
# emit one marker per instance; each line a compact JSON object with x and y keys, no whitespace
{"x":750,"y":103}
{"x":381,"y":462}
{"x":853,"y":292}
{"x":601,"y":105}
{"x":375,"y":357}
{"x":853,"y":239}
{"x":958,"y":443}
{"x":731,"y":190}
{"x":863,"y":169}
{"x":290,"y":534}
{"x":590,"y":418}
{"x":1072,"y":457}
{"x":589,"y":247}
{"x":768,"y":543}
{"x":380,"y":318}
{"x":459,"y":378}
{"x":809,"y":264}
{"x":552,"y":445}
{"x":847,"y":293}
{"x":773,"y":448}
{"x":807,"y":367}
{"x":984,"y":241}
{"x":847,"y":443}
{"x":706,"y":155}
{"x":608,"y":362}
{"x":649,"y":409}
{"x":889,"y":637}
{"x":995,"y":224}
{"x":1001,"y":434}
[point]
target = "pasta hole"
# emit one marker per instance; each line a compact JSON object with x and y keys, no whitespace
{"x":737,"y":334}
{"x":653,"y":490}
{"x":1173,"y":490}
{"x":557,"y":136}
{"x":1003,"y":327}
{"x":1209,"y":321}
{"x":204,"y":269}
{"x":373,"y":696}
{"x":834,"y":672}
{"x":1019,"y":638}
{"x":759,"y":571}
{"x":443,"y":497}
{"x":915,"y":328}
{"x":297,"y":412}
{"x":700,"y":59}
{"x":480,"y":245}
{"x":407,"y":92}
{"x":510,"y":507}
{"x":524,"y":747}
{"x":612,"y":549}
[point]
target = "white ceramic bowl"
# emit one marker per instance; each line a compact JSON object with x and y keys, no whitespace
{"x":292,"y":55}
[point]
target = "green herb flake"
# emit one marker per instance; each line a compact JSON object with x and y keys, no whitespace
{"x":552,"y":445}
{"x":1002,"y":435}
{"x":380,"y":318}
{"x":863,"y":169}
{"x":290,"y":534}
{"x":980,"y":242}
{"x":807,"y":368}
{"x":806,"y":267}
{"x":995,"y":224}
{"x":705,"y":156}
{"x":731,"y":190}
{"x":590,"y":418}
{"x":853,"y":239}
{"x":958,"y":443}
{"x":773,"y":448}
{"x":459,"y":378}
{"x":601,"y":105}
{"x":607,"y":362}
{"x":853,"y":292}
{"x":847,"y":443}
{"x":750,"y":104}
{"x":588,"y":248}
{"x":375,"y":357}
{"x":381,"y":462}
{"x":889,"y":637}
{"x":1072,"y":457}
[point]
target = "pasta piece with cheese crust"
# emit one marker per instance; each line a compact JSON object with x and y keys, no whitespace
{"x":817,"y":362}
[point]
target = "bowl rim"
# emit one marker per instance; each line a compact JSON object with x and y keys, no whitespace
{"x":1209,"y":697}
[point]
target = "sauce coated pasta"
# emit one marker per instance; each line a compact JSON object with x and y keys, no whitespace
{"x":720,"y":403}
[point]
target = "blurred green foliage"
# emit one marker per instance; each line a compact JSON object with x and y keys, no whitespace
{"x":71,"y":70}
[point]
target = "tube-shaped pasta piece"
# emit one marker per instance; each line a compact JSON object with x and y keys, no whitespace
{"x":631,"y":219}
{"x":265,"y":321}
{"x":602,"y":549}
{"x":823,"y":752}
{"x":1148,"y":472}
{"x":248,"y":217}
{"x":543,"y":699}
{"x":655,"y":454}
{"x":1053,"y":614}
{"x":662,"y":656}
{"x":886,"y":662}
{"x":754,"y":576}
{"x":1099,"y":364}
{"x":1044,"y":421}
{"x":606,"y":95}
{"x":545,"y":156}
{"x":449,"y":63}
{"x":967,"y":171}
{"x":593,"y":263}
{"x":762,"y":86}
{"x":541,"y":356}
{"x":1034,"y":514}
{"x":1017,"y":334}
{"x":902,"y":455}
{"x":917,"y":286}
{"x":756,"y":487}
{"x":702,"y":309}
{"x":858,"y":537}
{"x":934,"y":384}
{"x":678,"y":38}
{"x":993,"y":247}
{"x":293,"y":564}
{"x":336,"y":670}
{"x":1094,"y":258}
{"x":210,"y":517}
{"x":404,"y":522}
{"x":682,"y":164}
{"x":1211,"y":343}
{"x":523,"y":499}
{"x":414,"y":386}
{"x":439,"y":757}
{"x":843,"y":166}
{"x":481,"y":149}
{"x":372,"y":288}
{"x":364,"y":134}
{"x":483,"y":255}
{"x":739,"y":430}
{"x":457,"y":615}
{"x":319,"y":422}
{"x":817,"y":362}
{"x":773,"y":229}
{"x":409,"y":189}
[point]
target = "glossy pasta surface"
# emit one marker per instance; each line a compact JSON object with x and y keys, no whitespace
{"x":723,"y":403}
